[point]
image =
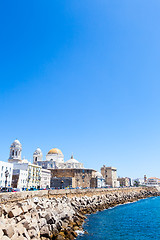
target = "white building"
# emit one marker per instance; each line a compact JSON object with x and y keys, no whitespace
{"x":54,"y":160}
{"x":3,"y":167}
{"x":20,"y":178}
{"x":73,"y":163}
{"x":100,"y":181}
{"x":45,"y":178}
{"x":139,"y":181}
{"x":153,"y":181}
{"x":33,"y":170}
{"x":34,"y":173}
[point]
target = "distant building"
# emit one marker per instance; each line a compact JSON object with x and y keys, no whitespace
{"x":145,"y":179}
{"x":45,"y":178}
{"x":124,"y":182}
{"x":20,"y":178}
{"x":153,"y":181}
{"x":76,"y":178}
{"x":110,"y":176}
{"x":3,"y":167}
{"x":138,"y":181}
{"x":97,"y":181}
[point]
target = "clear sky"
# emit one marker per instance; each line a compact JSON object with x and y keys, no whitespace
{"x":82,"y":76}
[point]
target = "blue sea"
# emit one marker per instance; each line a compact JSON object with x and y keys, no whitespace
{"x":134,"y":221}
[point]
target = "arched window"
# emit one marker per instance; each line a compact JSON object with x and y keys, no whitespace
{"x":36,"y":159}
{"x":13,"y":152}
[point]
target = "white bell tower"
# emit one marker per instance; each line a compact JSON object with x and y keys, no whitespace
{"x":15,"y":152}
{"x":37,"y":156}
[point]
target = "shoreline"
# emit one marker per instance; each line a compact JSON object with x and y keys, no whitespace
{"x":84,"y":231}
{"x":61,"y":218}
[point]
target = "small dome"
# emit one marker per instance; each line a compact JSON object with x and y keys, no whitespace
{"x":98,"y":175}
{"x":37,"y":152}
{"x":16,"y":142}
{"x":72,"y":160}
{"x":55,"y":151}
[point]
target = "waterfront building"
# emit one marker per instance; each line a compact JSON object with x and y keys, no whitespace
{"x":124,"y":182}
{"x":3,"y":167}
{"x":145,"y":179}
{"x":34,"y":173}
{"x":54,"y":160}
{"x":20,"y":178}
{"x":110,"y":176}
{"x":45,"y":178}
{"x":138,"y":182}
{"x":153,"y":181}
{"x":98,"y":181}
{"x":72,"y":177}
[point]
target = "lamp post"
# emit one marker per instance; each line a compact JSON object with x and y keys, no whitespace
{"x":62,"y":184}
{"x":6,"y":175}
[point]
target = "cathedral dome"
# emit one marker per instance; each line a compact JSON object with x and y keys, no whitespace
{"x":55,"y":151}
{"x":16,"y":142}
{"x":37,"y":152}
{"x":72,"y":160}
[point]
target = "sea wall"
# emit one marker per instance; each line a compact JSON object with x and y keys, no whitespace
{"x":12,"y":197}
{"x":58,"y":214}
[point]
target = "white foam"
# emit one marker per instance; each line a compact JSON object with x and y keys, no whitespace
{"x":79,"y":232}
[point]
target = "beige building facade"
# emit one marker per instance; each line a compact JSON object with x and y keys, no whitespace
{"x":110,"y":176}
{"x":124,"y":182}
{"x":79,"y":178}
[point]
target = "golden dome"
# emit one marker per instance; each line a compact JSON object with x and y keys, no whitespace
{"x":55,"y":151}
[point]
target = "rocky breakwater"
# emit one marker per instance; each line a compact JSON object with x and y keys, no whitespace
{"x":59,"y":218}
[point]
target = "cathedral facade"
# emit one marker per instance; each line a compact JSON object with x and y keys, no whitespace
{"x":55,"y":160}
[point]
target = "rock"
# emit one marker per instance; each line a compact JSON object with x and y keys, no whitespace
{"x":44,"y":231}
{"x":32,"y":233}
{"x":15,"y":212}
{"x":24,"y":208}
{"x":9,"y":231}
{"x":1,"y":233}
{"x":15,"y":236}
{"x":5,"y":238}
{"x":59,"y":237}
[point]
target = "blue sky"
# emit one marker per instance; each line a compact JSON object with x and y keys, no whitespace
{"x":82,"y":76}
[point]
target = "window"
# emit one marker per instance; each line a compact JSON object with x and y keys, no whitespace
{"x":2,"y":168}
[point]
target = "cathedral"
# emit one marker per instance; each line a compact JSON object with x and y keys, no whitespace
{"x":59,"y":173}
{"x":55,"y":160}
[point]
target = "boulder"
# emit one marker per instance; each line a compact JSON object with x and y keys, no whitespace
{"x":9,"y":231}
{"x":15,"y":212}
{"x":1,"y":233}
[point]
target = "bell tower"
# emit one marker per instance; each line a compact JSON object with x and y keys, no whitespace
{"x":15,"y":152}
{"x":37,"y":156}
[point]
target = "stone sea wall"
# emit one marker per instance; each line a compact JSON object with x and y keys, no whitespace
{"x":58,"y":214}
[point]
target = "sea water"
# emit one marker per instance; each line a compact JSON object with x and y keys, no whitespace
{"x":134,"y":221}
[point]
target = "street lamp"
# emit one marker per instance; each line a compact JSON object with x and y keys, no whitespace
{"x":6,"y":175}
{"x":62,"y":184}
